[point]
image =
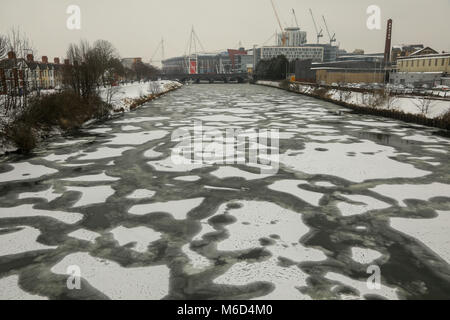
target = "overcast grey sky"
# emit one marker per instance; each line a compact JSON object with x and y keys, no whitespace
{"x":136,"y":27}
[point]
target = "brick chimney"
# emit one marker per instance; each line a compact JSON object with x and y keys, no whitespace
{"x":45,"y":59}
{"x":11,"y":55}
{"x":56,"y":60}
{"x":30,"y":58}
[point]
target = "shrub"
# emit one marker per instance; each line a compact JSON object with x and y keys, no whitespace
{"x":445,"y":120}
{"x":65,"y":110}
{"x":322,"y":93}
{"x":23,"y":136}
{"x":376,"y":100}
{"x":285,"y":84}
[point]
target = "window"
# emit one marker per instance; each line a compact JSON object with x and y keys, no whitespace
{"x":423,"y":65}
{"x":435,"y":62}
{"x":443,"y":62}
{"x":429,"y":62}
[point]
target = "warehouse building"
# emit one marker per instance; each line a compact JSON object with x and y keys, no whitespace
{"x":421,"y":69}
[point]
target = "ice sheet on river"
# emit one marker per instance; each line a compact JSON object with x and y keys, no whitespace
{"x":351,"y":191}
{"x":263,"y":220}
{"x":356,"y":162}
{"x":25,"y":171}
{"x":22,"y":239}
{"x":116,"y":282}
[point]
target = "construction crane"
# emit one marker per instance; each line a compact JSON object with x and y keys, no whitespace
{"x":319,"y":33}
{"x":283,"y":33}
{"x":272,"y":37}
{"x":332,"y":38}
{"x":295,"y":18}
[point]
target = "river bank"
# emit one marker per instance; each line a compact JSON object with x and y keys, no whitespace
{"x":130,"y":96}
{"x":432,"y":112}
{"x":122,"y":99}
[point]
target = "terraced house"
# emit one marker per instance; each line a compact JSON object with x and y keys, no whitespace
{"x":17,"y":74}
{"x":12,"y":74}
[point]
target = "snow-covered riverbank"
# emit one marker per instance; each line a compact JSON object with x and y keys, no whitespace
{"x":122,"y":98}
{"x":411,"y":105}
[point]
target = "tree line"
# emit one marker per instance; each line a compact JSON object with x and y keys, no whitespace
{"x":90,"y":67}
{"x":273,"y":69}
{"x":27,"y":115}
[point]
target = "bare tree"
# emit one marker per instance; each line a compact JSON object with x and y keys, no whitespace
{"x":375,"y":99}
{"x":111,"y":92}
{"x":424,"y":105}
{"x":17,"y":87}
{"x":145,"y":71}
{"x":390,"y":100}
{"x":154,"y":87}
{"x":114,"y":70}
{"x":83,"y":74}
{"x":106,"y":56}
{"x":92,"y":66}
{"x":3,"y":46}
{"x":18,"y":42}
{"x":344,"y":95}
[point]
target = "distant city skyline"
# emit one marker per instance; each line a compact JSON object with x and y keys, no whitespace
{"x":136,"y":27}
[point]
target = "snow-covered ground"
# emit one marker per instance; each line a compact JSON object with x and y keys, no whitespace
{"x":121,"y":97}
{"x":411,"y":105}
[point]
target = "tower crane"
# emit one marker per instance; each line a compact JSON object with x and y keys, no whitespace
{"x":283,"y":33}
{"x":319,"y":33}
{"x":295,"y":18}
{"x":332,"y":38}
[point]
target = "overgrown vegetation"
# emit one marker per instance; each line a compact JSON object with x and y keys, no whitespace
{"x":286,"y":85}
{"x":66,"y":111}
{"x":322,"y":93}
{"x":29,"y":115}
{"x":273,"y":69}
{"x":423,"y":105}
{"x":379,"y":103}
{"x":445,"y":120}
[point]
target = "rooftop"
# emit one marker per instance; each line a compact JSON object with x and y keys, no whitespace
{"x":426,"y":56}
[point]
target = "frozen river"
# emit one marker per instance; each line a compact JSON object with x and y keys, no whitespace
{"x":352,"y":194}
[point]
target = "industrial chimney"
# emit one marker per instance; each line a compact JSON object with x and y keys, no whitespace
{"x":387,"y":48}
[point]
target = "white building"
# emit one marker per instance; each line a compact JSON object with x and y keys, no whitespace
{"x":316,"y":54}
{"x":294,"y":37}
